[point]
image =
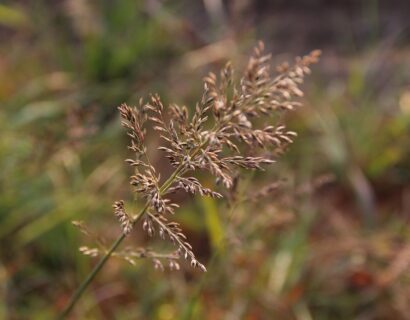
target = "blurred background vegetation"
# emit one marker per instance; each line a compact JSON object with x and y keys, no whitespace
{"x":328,"y":240}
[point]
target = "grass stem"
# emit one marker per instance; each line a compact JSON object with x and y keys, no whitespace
{"x":78,"y":293}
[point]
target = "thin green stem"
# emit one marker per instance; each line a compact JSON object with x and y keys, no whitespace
{"x":77,"y":294}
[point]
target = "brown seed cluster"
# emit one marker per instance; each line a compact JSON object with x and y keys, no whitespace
{"x":224,"y":126}
{"x":131,"y":255}
{"x":193,"y":186}
{"x":123,"y":218}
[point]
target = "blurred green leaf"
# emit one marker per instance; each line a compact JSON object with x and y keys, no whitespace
{"x":213,"y":222}
{"x":12,"y":17}
{"x":42,"y":110}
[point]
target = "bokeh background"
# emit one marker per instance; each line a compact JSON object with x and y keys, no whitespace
{"x":330,"y":238}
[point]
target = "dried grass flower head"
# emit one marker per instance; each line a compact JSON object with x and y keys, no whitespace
{"x":222,"y":128}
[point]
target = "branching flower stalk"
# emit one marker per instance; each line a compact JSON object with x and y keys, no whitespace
{"x":224,"y":126}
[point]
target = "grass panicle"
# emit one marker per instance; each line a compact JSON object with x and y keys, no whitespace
{"x":224,"y":133}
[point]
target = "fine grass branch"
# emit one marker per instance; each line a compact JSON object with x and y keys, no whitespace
{"x":225,"y":125}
